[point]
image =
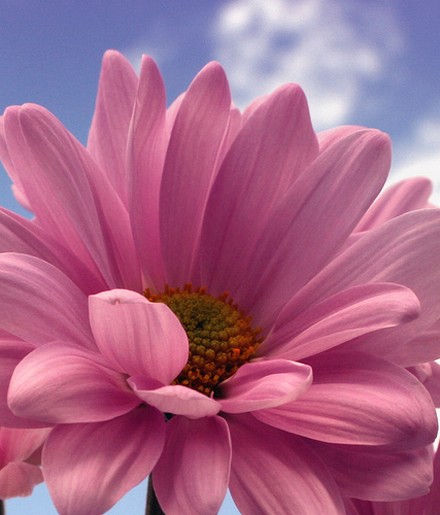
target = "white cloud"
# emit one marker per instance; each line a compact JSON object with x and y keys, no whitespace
{"x":335,"y":50}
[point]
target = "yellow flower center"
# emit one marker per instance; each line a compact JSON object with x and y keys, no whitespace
{"x":221,"y":338}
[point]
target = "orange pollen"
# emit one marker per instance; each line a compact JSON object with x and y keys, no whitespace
{"x":221,"y":338}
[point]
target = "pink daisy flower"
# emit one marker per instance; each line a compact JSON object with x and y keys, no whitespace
{"x":191,"y":302}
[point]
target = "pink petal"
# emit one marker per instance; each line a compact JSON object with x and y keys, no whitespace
{"x":105,"y":460}
{"x":192,"y":474}
{"x":19,"y":479}
{"x":189,"y":168}
{"x":53,"y":165}
{"x":264,"y":384}
{"x":138,"y":337}
{"x":395,"y":252}
{"x":269,"y":153}
{"x":359,"y":399}
{"x":20,"y":444}
{"x":432,"y":384}
{"x":404,"y":196}
{"x":107,"y":140}
{"x":314,"y":215}
{"x":174,"y":399}
{"x":40,"y":304}
{"x":61,"y":382}
{"x":145,"y":158}
{"x":274,"y":472}
{"x":339,"y":318}
{"x":372,"y":473}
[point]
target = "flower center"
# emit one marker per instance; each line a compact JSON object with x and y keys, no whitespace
{"x":221,"y":338}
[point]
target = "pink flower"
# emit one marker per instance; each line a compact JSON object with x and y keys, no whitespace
{"x":251,"y":204}
{"x":19,"y":470}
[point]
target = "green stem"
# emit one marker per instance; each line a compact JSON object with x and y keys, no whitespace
{"x":153,"y":506}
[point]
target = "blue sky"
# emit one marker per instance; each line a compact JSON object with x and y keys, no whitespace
{"x":371,"y":63}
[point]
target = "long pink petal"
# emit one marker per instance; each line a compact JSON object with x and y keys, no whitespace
{"x":372,"y":473}
{"x":264,"y":384}
{"x":145,"y":158}
{"x":395,"y":252}
{"x":192,"y":474}
{"x":20,"y":444}
{"x":107,"y":141}
{"x":274,"y":472}
{"x":359,"y":399}
{"x":404,"y":196}
{"x":137,"y":336}
{"x":19,"y":479}
{"x":53,"y":165}
{"x":40,"y":304}
{"x":189,"y":168}
{"x":339,"y":318}
{"x":317,"y":214}
{"x":60,"y":382}
{"x":174,"y":399}
{"x":105,"y":460}
{"x":269,"y":153}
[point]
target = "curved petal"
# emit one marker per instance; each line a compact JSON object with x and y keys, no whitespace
{"x":138,"y":337}
{"x":376,"y":474}
{"x":313,"y":220}
{"x":400,"y":198}
{"x":40,"y":304}
{"x":397,"y":251}
{"x":19,"y":479}
{"x":192,"y":474}
{"x":264,"y":384}
{"x":106,"y":460}
{"x":274,"y":472}
{"x":339,"y":318}
{"x":432,"y":384}
{"x":107,"y":141}
{"x":20,"y":444}
{"x":145,"y":158}
{"x":189,"y":168}
{"x":70,"y":195}
{"x":175,"y":399}
{"x":60,"y":383}
{"x":359,"y":399}
{"x":267,"y":156}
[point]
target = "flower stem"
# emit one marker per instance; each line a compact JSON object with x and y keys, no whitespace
{"x":153,"y":506}
{"x":2,"y":507}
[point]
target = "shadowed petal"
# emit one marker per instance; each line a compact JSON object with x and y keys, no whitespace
{"x":60,"y":382}
{"x":274,"y":472}
{"x":18,"y":479}
{"x":264,"y":384}
{"x":137,"y":336}
{"x":192,"y":473}
{"x":175,"y":399}
{"x":106,"y":460}
{"x":356,"y":398}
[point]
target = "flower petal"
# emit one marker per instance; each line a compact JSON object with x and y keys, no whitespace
{"x":264,"y":384}
{"x":356,"y":398}
{"x":192,"y":474}
{"x":138,"y":337}
{"x":274,"y":472}
{"x":252,"y":177}
{"x":339,"y":318}
{"x":189,"y":167}
{"x":375,"y":474}
{"x":19,"y":479}
{"x":61,"y":382}
{"x":107,"y":140}
{"x":174,"y":399}
{"x":40,"y":304}
{"x":313,"y":215}
{"x":106,"y":460}
{"x":20,"y":444}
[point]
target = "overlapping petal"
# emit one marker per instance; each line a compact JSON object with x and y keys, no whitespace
{"x":106,"y":460}
{"x":19,"y":479}
{"x":64,"y":383}
{"x":359,"y":399}
{"x":264,"y":384}
{"x":138,"y":337}
{"x":192,"y":474}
